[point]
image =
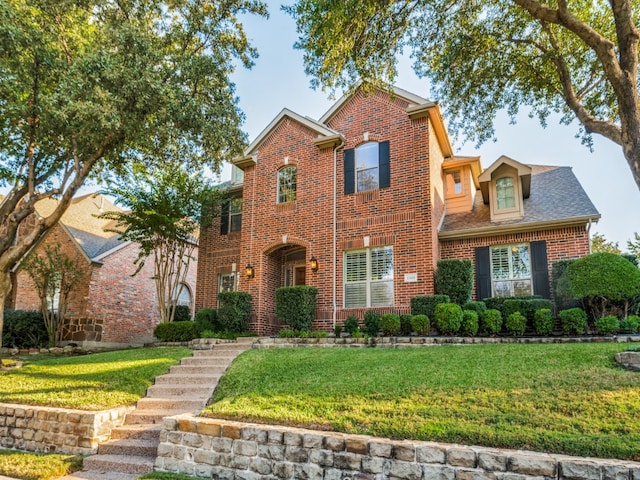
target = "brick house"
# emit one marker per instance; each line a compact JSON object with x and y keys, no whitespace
{"x":363,"y":203}
{"x":108,"y":305}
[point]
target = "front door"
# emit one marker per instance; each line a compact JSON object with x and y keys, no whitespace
{"x":295,"y":268}
{"x":299,"y":275}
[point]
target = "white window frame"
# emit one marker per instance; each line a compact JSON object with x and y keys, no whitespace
{"x":367,"y":280}
{"x":514,"y":190}
{"x":362,"y":168}
{"x":235,"y":213}
{"x":233,"y":276}
{"x":285,"y":176}
{"x":510,"y":276}
{"x":183,"y":287}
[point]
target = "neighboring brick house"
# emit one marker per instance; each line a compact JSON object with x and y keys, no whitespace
{"x":363,"y":203}
{"x":108,"y":305}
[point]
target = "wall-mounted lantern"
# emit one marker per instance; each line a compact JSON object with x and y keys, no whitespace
{"x":250,"y":272}
{"x":313,"y":264}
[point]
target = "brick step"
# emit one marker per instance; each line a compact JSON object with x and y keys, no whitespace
{"x":184,"y":403}
{"x":207,"y":361}
{"x":172,"y":390}
{"x":150,"y":416}
{"x":137,"y":432}
{"x":126,"y":447}
{"x":120,"y":463}
{"x":194,"y":379}
{"x":197,"y":370}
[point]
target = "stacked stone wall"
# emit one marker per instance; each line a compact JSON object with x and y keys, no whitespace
{"x":235,"y":450}
{"x":45,"y":429}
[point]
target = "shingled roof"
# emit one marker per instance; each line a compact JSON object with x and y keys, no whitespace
{"x":557,"y":199}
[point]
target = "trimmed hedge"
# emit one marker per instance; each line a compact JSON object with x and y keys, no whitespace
{"x":574,"y":320}
{"x":448,"y":318}
{"x":372,"y":323}
{"x":24,"y":329}
{"x":405,"y":324}
{"x":454,"y":278}
{"x":491,"y":322}
{"x":206,"y":319}
{"x":479,"y":307}
{"x":470,"y":323}
{"x":515,"y":324}
{"x":526,"y":306}
{"x":543,"y":321}
{"x":296,"y":306}
{"x":390,"y":324}
{"x":234,"y":311}
{"x":426,"y":304}
{"x":351,"y":324}
{"x":631,"y":324}
{"x":183,"y":313}
{"x":609,"y":325}
{"x":421,"y":324}
{"x":176,"y":331}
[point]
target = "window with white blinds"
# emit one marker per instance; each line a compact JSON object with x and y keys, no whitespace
{"x":511,"y":271}
{"x":368,"y":278}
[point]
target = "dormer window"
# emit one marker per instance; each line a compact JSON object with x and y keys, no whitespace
{"x":287,"y":184}
{"x":505,"y":193}
{"x":505,"y":186}
{"x":453,"y":180}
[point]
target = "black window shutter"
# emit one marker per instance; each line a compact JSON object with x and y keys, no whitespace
{"x":349,"y":171}
{"x":483,"y":273}
{"x":224,"y":218}
{"x":540,"y":269}
{"x":385,"y":165}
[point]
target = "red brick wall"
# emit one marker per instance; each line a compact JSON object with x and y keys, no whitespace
{"x":562,"y":243}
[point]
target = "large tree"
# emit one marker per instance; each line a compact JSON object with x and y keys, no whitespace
{"x":92,"y":84}
{"x":578,"y":58}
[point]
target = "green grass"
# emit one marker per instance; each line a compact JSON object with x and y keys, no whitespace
{"x":89,"y":382}
{"x":37,"y":466}
{"x":564,"y":398}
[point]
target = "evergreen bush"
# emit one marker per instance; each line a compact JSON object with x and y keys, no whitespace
{"x":454,"y":278}
{"x":176,"y":331}
{"x":207,"y":319}
{"x":609,"y":325}
{"x":448,"y":318}
{"x":372,"y":323}
{"x":426,"y":304}
{"x":296,"y":306}
{"x":491,"y":322}
{"x":564,"y":298}
{"x":405,"y":324}
{"x":470,"y":323}
{"x":183,"y":313}
{"x":234,"y":311}
{"x":574,"y":320}
{"x":543,"y":321}
{"x":420,"y":324}
{"x":479,"y":307}
{"x":515,"y":324}
{"x":631,"y":324}
{"x":351,"y":324}
{"x":24,"y":329}
{"x":390,"y":324}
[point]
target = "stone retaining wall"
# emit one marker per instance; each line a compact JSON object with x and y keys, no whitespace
{"x":234,"y":450}
{"x":45,"y":429}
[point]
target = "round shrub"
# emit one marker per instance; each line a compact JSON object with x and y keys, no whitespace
{"x":491,"y":322}
{"x":478,"y":307}
{"x":24,"y":329}
{"x":608,"y":325}
{"x":207,"y":319}
{"x":515,"y":324}
{"x":405,"y":324}
{"x":182,"y":314}
{"x":296,"y":306}
{"x":448,"y":318}
{"x":351,"y":324}
{"x":372,"y":323}
{"x":543,"y":321}
{"x":574,"y":320}
{"x":390,"y":324}
{"x":469,"y":325}
{"x":421,"y":324}
{"x":176,"y":331}
{"x":631,"y":324}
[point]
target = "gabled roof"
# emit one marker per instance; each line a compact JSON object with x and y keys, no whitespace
{"x":557,"y":199}
{"x":524,"y":172}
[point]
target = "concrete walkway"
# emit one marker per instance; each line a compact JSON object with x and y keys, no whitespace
{"x":188,"y":387}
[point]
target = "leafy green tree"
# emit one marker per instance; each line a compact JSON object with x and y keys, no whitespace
{"x":600,"y":244}
{"x":578,"y":59}
{"x":54,"y":275}
{"x":165,"y":206}
{"x":634,"y":245}
{"x":90,"y":85}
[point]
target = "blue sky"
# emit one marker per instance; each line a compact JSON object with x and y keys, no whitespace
{"x":278,"y":81}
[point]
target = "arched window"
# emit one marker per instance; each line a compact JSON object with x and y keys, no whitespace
{"x":287,"y":183}
{"x":367,"y":167}
{"x":505,"y":193}
{"x":184,"y":295}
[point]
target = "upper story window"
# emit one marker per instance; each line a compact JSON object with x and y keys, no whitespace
{"x":231,"y":216}
{"x":237,"y":175}
{"x":453,"y":181}
{"x":367,"y":167}
{"x":287,"y":183}
{"x":505,"y":193}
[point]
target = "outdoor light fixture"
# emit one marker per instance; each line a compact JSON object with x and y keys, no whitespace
{"x":249,"y":271}
{"x":313,"y":263}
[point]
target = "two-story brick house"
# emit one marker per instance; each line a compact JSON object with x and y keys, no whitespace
{"x":363,"y":203}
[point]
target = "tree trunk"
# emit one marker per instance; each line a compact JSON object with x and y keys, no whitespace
{"x":5,"y":290}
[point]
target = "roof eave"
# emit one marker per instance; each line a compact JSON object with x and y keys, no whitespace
{"x":432,"y":110}
{"x":330,"y":141}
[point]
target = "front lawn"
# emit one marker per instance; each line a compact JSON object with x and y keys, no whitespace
{"x":89,"y":382}
{"x":37,"y":466}
{"x":563,"y":398}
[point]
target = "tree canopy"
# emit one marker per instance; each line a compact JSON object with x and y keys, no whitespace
{"x":578,"y":59}
{"x":92,"y":84}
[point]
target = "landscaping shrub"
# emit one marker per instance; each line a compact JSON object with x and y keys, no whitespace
{"x":390,"y":324}
{"x":420,"y":324}
{"x":515,"y":324}
{"x":609,"y":325}
{"x":562,"y":295}
{"x":543,"y":321}
{"x":494,"y":303}
{"x":183,"y":313}
{"x":24,"y":329}
{"x":574,"y":320}
{"x":176,"y":331}
{"x":478,"y":307}
{"x":351,"y":324}
{"x":287,"y":333}
{"x":405,"y":324}
{"x":454,"y":278}
{"x":491,"y":321}
{"x":296,"y":306}
{"x":631,"y":324}
{"x":372,"y":323}
{"x":337,"y":331}
{"x":234,"y":311}
{"x":448,"y":318}
{"x":527,"y":306}
{"x":426,"y":304}
{"x":207,"y":319}
{"x":470,"y":323}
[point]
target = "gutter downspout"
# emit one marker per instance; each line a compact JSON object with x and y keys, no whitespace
{"x":334,"y":311}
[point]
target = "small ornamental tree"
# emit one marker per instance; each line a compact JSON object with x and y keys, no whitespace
{"x":603,"y":278}
{"x":54,"y":275}
{"x":455,"y":279}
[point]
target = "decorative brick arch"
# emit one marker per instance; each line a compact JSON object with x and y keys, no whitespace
{"x":290,"y":241}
